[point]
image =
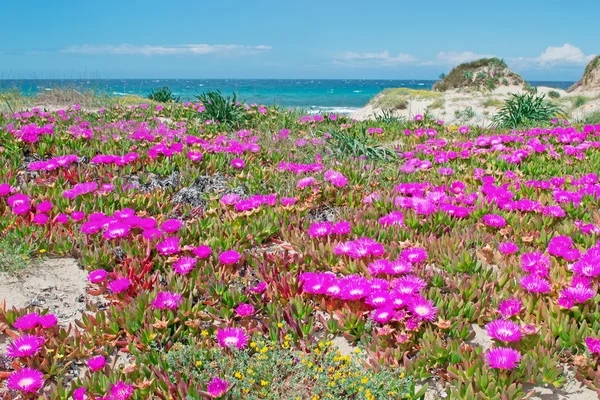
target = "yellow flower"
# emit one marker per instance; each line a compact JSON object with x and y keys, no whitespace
{"x":263,"y":382}
{"x":198,"y":363}
{"x":279,"y":325}
{"x":42,"y":250}
{"x":238,"y":375}
{"x":204,"y":333}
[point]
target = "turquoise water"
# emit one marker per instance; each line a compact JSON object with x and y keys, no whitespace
{"x":334,"y":95}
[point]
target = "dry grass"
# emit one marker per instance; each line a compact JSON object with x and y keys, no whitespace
{"x":398,"y":99}
{"x":13,"y":100}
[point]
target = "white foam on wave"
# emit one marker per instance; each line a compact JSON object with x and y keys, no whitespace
{"x":331,"y":110}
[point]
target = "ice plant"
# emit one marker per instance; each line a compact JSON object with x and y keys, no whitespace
{"x":422,"y":308}
{"x":97,"y":276}
{"x":166,"y":300}
{"x":503,"y":358}
{"x":232,"y":337}
{"x":217,"y":387}
{"x":593,"y":345}
{"x":229,"y":257}
{"x":510,"y":307}
{"x":26,"y":380}
{"x":119,"y":285}
{"x":120,"y":391}
{"x":25,"y":346}
{"x":96,"y":363}
{"x":504,"y":330}
{"x":244,"y":310}
{"x":184,"y":265}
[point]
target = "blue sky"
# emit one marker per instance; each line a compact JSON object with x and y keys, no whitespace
{"x":392,"y":39}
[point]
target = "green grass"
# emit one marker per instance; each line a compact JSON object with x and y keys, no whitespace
{"x":398,"y":98}
{"x":579,"y":101}
{"x":496,"y":103}
{"x":592,"y":118}
{"x":526,"y":110}
{"x":437,"y":104}
{"x":15,"y":254}
{"x":462,"y":75}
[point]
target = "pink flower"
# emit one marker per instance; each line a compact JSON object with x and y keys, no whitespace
{"x":510,"y":307}
{"x":47,"y":321}
{"x":383,"y":315}
{"x":62,"y":218}
{"x":593,"y":345}
{"x":230,"y":199}
{"x":422,"y":308}
{"x":508,"y":248}
{"x":44,"y":207}
{"x":96,"y":363}
{"x":535,"y":284}
{"x":504,"y":330}
{"x":261,"y":287}
{"x":288,"y":201}
{"x":119,"y":285}
{"x":238,"y":163}
{"x":27,"y":321}
{"x":120,"y":391}
{"x":168,"y":246}
{"x":336,"y":178}
{"x":503,"y":358}
{"x":202,"y":251}
{"x":232,"y":337}
{"x":494,"y":220}
{"x":39,"y":219}
{"x":79,"y":394}
{"x":229,"y":257}
{"x":379,"y":299}
{"x":305,"y":182}
{"x":26,"y":380}
{"x":167,"y":300}
{"x":97,"y":276}
{"x":116,"y":230}
{"x":414,"y":255}
{"x":184,"y":265}
{"x":244,"y":310}
{"x":341,"y":228}
{"x":319,"y":229}
{"x":25,"y":346}
{"x":171,"y":225}
{"x":5,"y":189}
{"x":217,"y":387}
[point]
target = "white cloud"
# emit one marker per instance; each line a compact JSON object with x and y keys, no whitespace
{"x":382,"y":58}
{"x":455,"y":58}
{"x":167,"y":50}
{"x":566,"y":54}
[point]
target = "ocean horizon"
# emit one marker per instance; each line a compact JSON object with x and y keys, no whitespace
{"x":318,"y":95}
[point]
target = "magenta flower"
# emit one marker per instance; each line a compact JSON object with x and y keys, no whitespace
{"x":503,"y":358}
{"x":116,"y":230}
{"x":508,"y":248}
{"x":230,"y":199}
{"x":171,"y":225}
{"x":393,"y":218}
{"x":510,"y":307}
{"x":217,"y":387}
{"x":261,"y":287}
{"x":232,"y":337}
{"x":168,"y":246}
{"x":593,"y":345}
{"x":5,"y":189}
{"x":26,"y":380}
{"x":414,"y":255}
{"x":409,"y":284}
{"x":44,"y":207}
{"x":494,"y":220}
{"x":422,"y":308}
{"x":96,"y":363}
{"x":77,"y":215}
{"x":47,"y":321}
{"x":578,"y":294}
{"x":202,"y":251}
{"x":229,"y":257}
{"x":62,"y":218}
{"x":167,"y":300}
{"x":288,"y":201}
{"x":383,"y":315}
{"x":535,"y":284}
{"x":119,"y":285}
{"x":319,"y":229}
{"x":39,"y":219}
{"x":341,"y":228}
{"x":238,"y":163}
{"x":379,"y":299}
{"x":27,"y":321}
{"x":244,"y":310}
{"x":152,"y":234}
{"x":504,"y":330}
{"x":120,"y":391}
{"x":97,"y":276}
{"x":184,"y":265}
{"x":305,"y":182}
{"x":336,"y":178}
{"x":25,"y":346}
{"x":79,"y":394}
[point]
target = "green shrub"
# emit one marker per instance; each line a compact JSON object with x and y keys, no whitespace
{"x":526,"y":110}
{"x":579,"y":101}
{"x":15,"y":253}
{"x":224,"y":109}
{"x":592,"y":118}
{"x":353,"y":144}
{"x":553,"y":94}
{"x":163,"y":95}
{"x":271,"y":370}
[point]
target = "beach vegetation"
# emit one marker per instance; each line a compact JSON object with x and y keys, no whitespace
{"x":356,"y":145}
{"x":484,"y":74}
{"x":553,"y":94}
{"x":163,"y":95}
{"x":526,"y":110}
{"x":578,"y":101}
{"x":223,"y":109}
{"x":492,"y":102}
{"x":437,"y":104}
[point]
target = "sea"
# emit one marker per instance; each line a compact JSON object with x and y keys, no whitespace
{"x":313,"y":95}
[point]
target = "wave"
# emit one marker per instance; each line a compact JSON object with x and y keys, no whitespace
{"x":331,"y":110}
{"x":120,"y":94}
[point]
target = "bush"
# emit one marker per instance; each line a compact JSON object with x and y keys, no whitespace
{"x":526,"y":110}
{"x":579,"y":101}
{"x":357,"y":145}
{"x":163,"y":95}
{"x":553,"y":94}
{"x":224,"y":109}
